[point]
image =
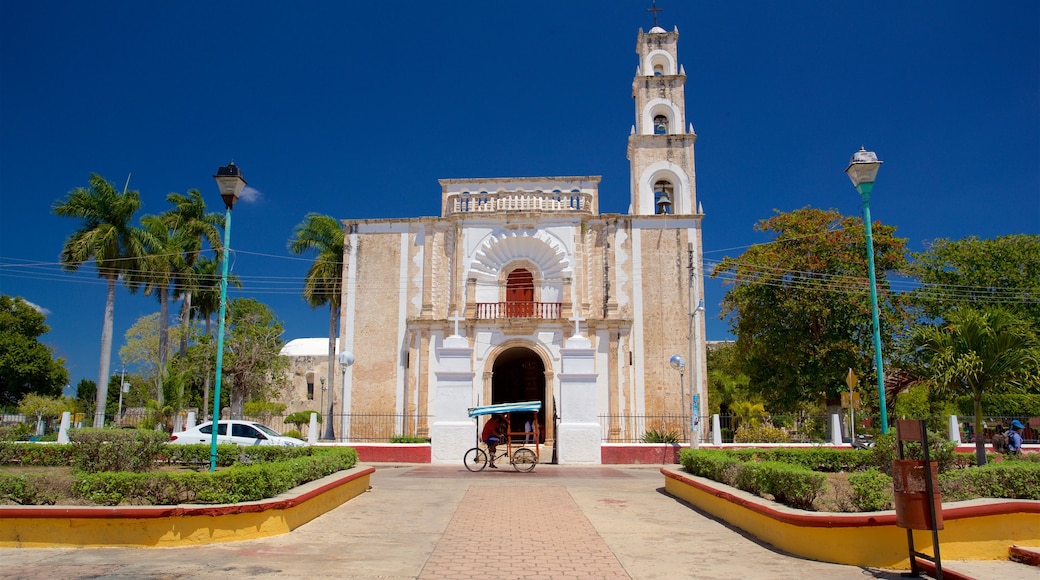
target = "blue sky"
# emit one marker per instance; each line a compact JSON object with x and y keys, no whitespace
{"x":356,"y":110}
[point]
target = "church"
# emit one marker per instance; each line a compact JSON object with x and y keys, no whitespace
{"x":521,"y":290}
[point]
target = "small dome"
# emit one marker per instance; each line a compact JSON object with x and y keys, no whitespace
{"x":658,"y":30}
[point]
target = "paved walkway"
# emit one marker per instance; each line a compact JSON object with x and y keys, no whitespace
{"x":444,"y":522}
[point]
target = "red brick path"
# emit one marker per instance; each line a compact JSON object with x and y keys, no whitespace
{"x":528,"y":532}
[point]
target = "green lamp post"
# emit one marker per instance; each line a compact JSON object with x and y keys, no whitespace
{"x":230,"y":181}
{"x":862,"y":170}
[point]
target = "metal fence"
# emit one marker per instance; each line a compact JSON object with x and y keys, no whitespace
{"x":381,"y":428}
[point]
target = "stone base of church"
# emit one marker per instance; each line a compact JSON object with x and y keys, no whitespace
{"x":450,"y":440}
{"x":578,"y":443}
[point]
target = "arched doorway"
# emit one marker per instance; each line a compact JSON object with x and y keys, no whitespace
{"x":519,"y":375}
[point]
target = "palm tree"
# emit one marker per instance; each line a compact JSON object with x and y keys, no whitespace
{"x":324,"y":235}
{"x":164,"y":259}
{"x":206,"y":284}
{"x":107,"y":237}
{"x":979,"y":351}
{"x":193,"y":224}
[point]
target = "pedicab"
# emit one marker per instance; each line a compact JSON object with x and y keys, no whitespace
{"x":525,"y":457}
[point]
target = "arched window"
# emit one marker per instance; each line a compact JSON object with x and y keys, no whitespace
{"x":660,"y":125}
{"x":664,"y":196}
{"x":658,"y":70}
{"x":520,"y":294}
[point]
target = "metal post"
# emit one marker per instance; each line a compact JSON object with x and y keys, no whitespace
{"x":864,"y":191}
{"x":220,"y":341}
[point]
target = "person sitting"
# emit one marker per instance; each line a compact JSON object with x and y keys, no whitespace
{"x":493,"y":433}
{"x":1014,"y":436}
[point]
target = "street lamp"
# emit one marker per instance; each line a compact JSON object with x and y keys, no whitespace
{"x":862,"y":170}
{"x":679,"y":363}
{"x":231,"y":183}
{"x":346,"y":358}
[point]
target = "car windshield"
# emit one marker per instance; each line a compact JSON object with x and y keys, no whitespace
{"x":266,"y":430}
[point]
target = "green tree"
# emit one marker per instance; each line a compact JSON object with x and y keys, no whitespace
{"x":206,"y":286}
{"x":979,"y":351}
{"x":40,"y":406}
{"x":252,"y":363}
{"x":26,"y":364}
{"x":1000,"y":271}
{"x":800,"y":305}
{"x":727,"y":382}
{"x":324,"y":236}
{"x":194,"y":225}
{"x":162,"y":263}
{"x":142,"y":350}
{"x":107,"y":237}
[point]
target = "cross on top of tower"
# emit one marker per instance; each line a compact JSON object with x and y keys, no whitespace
{"x":456,"y":319}
{"x":577,"y":319}
{"x":654,"y":11}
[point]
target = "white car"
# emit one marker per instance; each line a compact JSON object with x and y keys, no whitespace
{"x":244,"y":433}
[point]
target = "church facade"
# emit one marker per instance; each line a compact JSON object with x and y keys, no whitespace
{"x":521,"y":290}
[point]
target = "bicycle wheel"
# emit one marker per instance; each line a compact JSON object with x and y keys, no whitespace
{"x":475,"y":459}
{"x":524,"y":459}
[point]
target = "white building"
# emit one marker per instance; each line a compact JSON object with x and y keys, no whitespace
{"x":555,"y":301}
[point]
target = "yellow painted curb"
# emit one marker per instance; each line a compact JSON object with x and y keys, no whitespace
{"x":182,"y":525}
{"x":975,"y":530}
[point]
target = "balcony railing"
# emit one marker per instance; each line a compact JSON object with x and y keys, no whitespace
{"x":544,"y":310}
{"x":519,"y":201}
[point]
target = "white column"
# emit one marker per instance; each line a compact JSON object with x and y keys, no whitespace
{"x":716,"y":430}
{"x":453,"y":431}
{"x":192,"y":419}
{"x":312,"y":430}
{"x":836,"y":429}
{"x":63,"y":431}
{"x":955,"y":430}
{"x":579,"y":436}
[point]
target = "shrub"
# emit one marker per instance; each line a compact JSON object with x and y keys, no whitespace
{"x":293,"y":433}
{"x":885,"y":450}
{"x":788,"y":484}
{"x":96,"y":450}
{"x":817,"y":459}
{"x":31,"y":489}
{"x":17,"y":432}
{"x":871,"y":490}
{"x":408,"y":439}
{"x":32,"y":454}
{"x":1004,"y":479}
{"x":662,"y":436}
{"x":760,"y":434}
{"x":235,"y":484}
{"x":713,"y":464}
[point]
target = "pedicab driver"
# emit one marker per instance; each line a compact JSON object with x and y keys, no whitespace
{"x":493,"y":433}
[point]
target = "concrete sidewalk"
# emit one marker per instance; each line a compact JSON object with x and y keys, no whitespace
{"x":426,"y":521}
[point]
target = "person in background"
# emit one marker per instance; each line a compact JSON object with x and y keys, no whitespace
{"x":494,"y":431}
{"x":1014,"y":436}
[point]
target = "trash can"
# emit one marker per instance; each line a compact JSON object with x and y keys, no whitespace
{"x":912,"y":496}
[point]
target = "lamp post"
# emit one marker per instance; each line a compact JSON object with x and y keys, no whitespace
{"x":862,"y":170}
{"x":230,"y":182}
{"x":346,"y":358}
{"x":679,"y":363}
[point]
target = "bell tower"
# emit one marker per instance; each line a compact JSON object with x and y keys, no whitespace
{"x":660,"y":147}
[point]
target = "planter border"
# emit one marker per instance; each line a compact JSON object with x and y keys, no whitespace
{"x":974,"y":530}
{"x":181,"y":525}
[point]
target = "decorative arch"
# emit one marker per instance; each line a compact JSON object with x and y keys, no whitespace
{"x":665,"y":108}
{"x":543,"y":251}
{"x":659,"y":60}
{"x":681,"y":195}
{"x":506,"y":362}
